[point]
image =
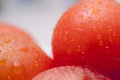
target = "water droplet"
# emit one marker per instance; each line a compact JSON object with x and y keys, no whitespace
{"x":82,"y":52}
{"x":107,"y":47}
{"x":24,"y":49}
{"x":98,"y":37}
{"x":36,"y":63}
{"x":79,"y":29}
{"x":73,"y":13}
{"x":78,"y":46}
{"x":114,"y":34}
{"x":2,"y":62}
{"x":66,"y":32}
{"x":96,"y":11}
{"x":96,"y":22}
{"x":80,"y":17}
{"x":100,"y":43}
{"x":18,"y":69}
{"x":9,"y":78}
{"x":7,"y":40}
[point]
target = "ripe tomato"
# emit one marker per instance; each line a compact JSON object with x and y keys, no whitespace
{"x":70,"y":73}
{"x":8,"y":28}
{"x":20,"y":58}
{"x":89,"y":33}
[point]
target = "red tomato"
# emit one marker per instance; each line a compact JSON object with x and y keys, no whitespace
{"x":70,"y":73}
{"x":8,"y":28}
{"x":20,"y":58}
{"x":89,"y":33}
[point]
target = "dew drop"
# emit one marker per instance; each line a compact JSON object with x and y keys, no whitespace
{"x":78,"y":46}
{"x":79,"y":29}
{"x":107,"y":47}
{"x":100,"y":43}
{"x":98,"y":37}
{"x":9,"y":78}
{"x":24,"y":49}
{"x":36,"y":64}
{"x":2,"y":62}
{"x":66,"y":32}
{"x":96,"y":11}
{"x":7,"y":40}
{"x":80,"y":17}
{"x":82,"y":52}
{"x":114,"y":34}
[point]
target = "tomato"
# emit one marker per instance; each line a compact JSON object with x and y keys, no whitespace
{"x":70,"y":73}
{"x":9,"y":28}
{"x":20,"y":58}
{"x":89,"y":33}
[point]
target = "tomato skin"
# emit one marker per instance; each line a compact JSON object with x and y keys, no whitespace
{"x":20,"y":58}
{"x":89,"y":33}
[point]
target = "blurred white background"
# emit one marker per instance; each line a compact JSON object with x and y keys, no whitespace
{"x":37,"y":17}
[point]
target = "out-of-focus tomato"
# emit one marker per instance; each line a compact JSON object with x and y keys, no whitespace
{"x":9,"y":28}
{"x":70,"y":73}
{"x":20,"y":58}
{"x":89,"y":33}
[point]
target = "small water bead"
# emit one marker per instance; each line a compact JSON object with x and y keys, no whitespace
{"x":80,"y":17}
{"x":79,"y":29}
{"x":82,"y":52}
{"x":99,"y":37}
{"x":18,"y":69}
{"x":24,"y":49}
{"x":96,"y":11}
{"x":9,"y":78}
{"x":66,"y":32}
{"x":7,"y":41}
{"x":78,"y":48}
{"x":107,"y":47}
{"x":36,"y":63}
{"x":101,"y":43}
